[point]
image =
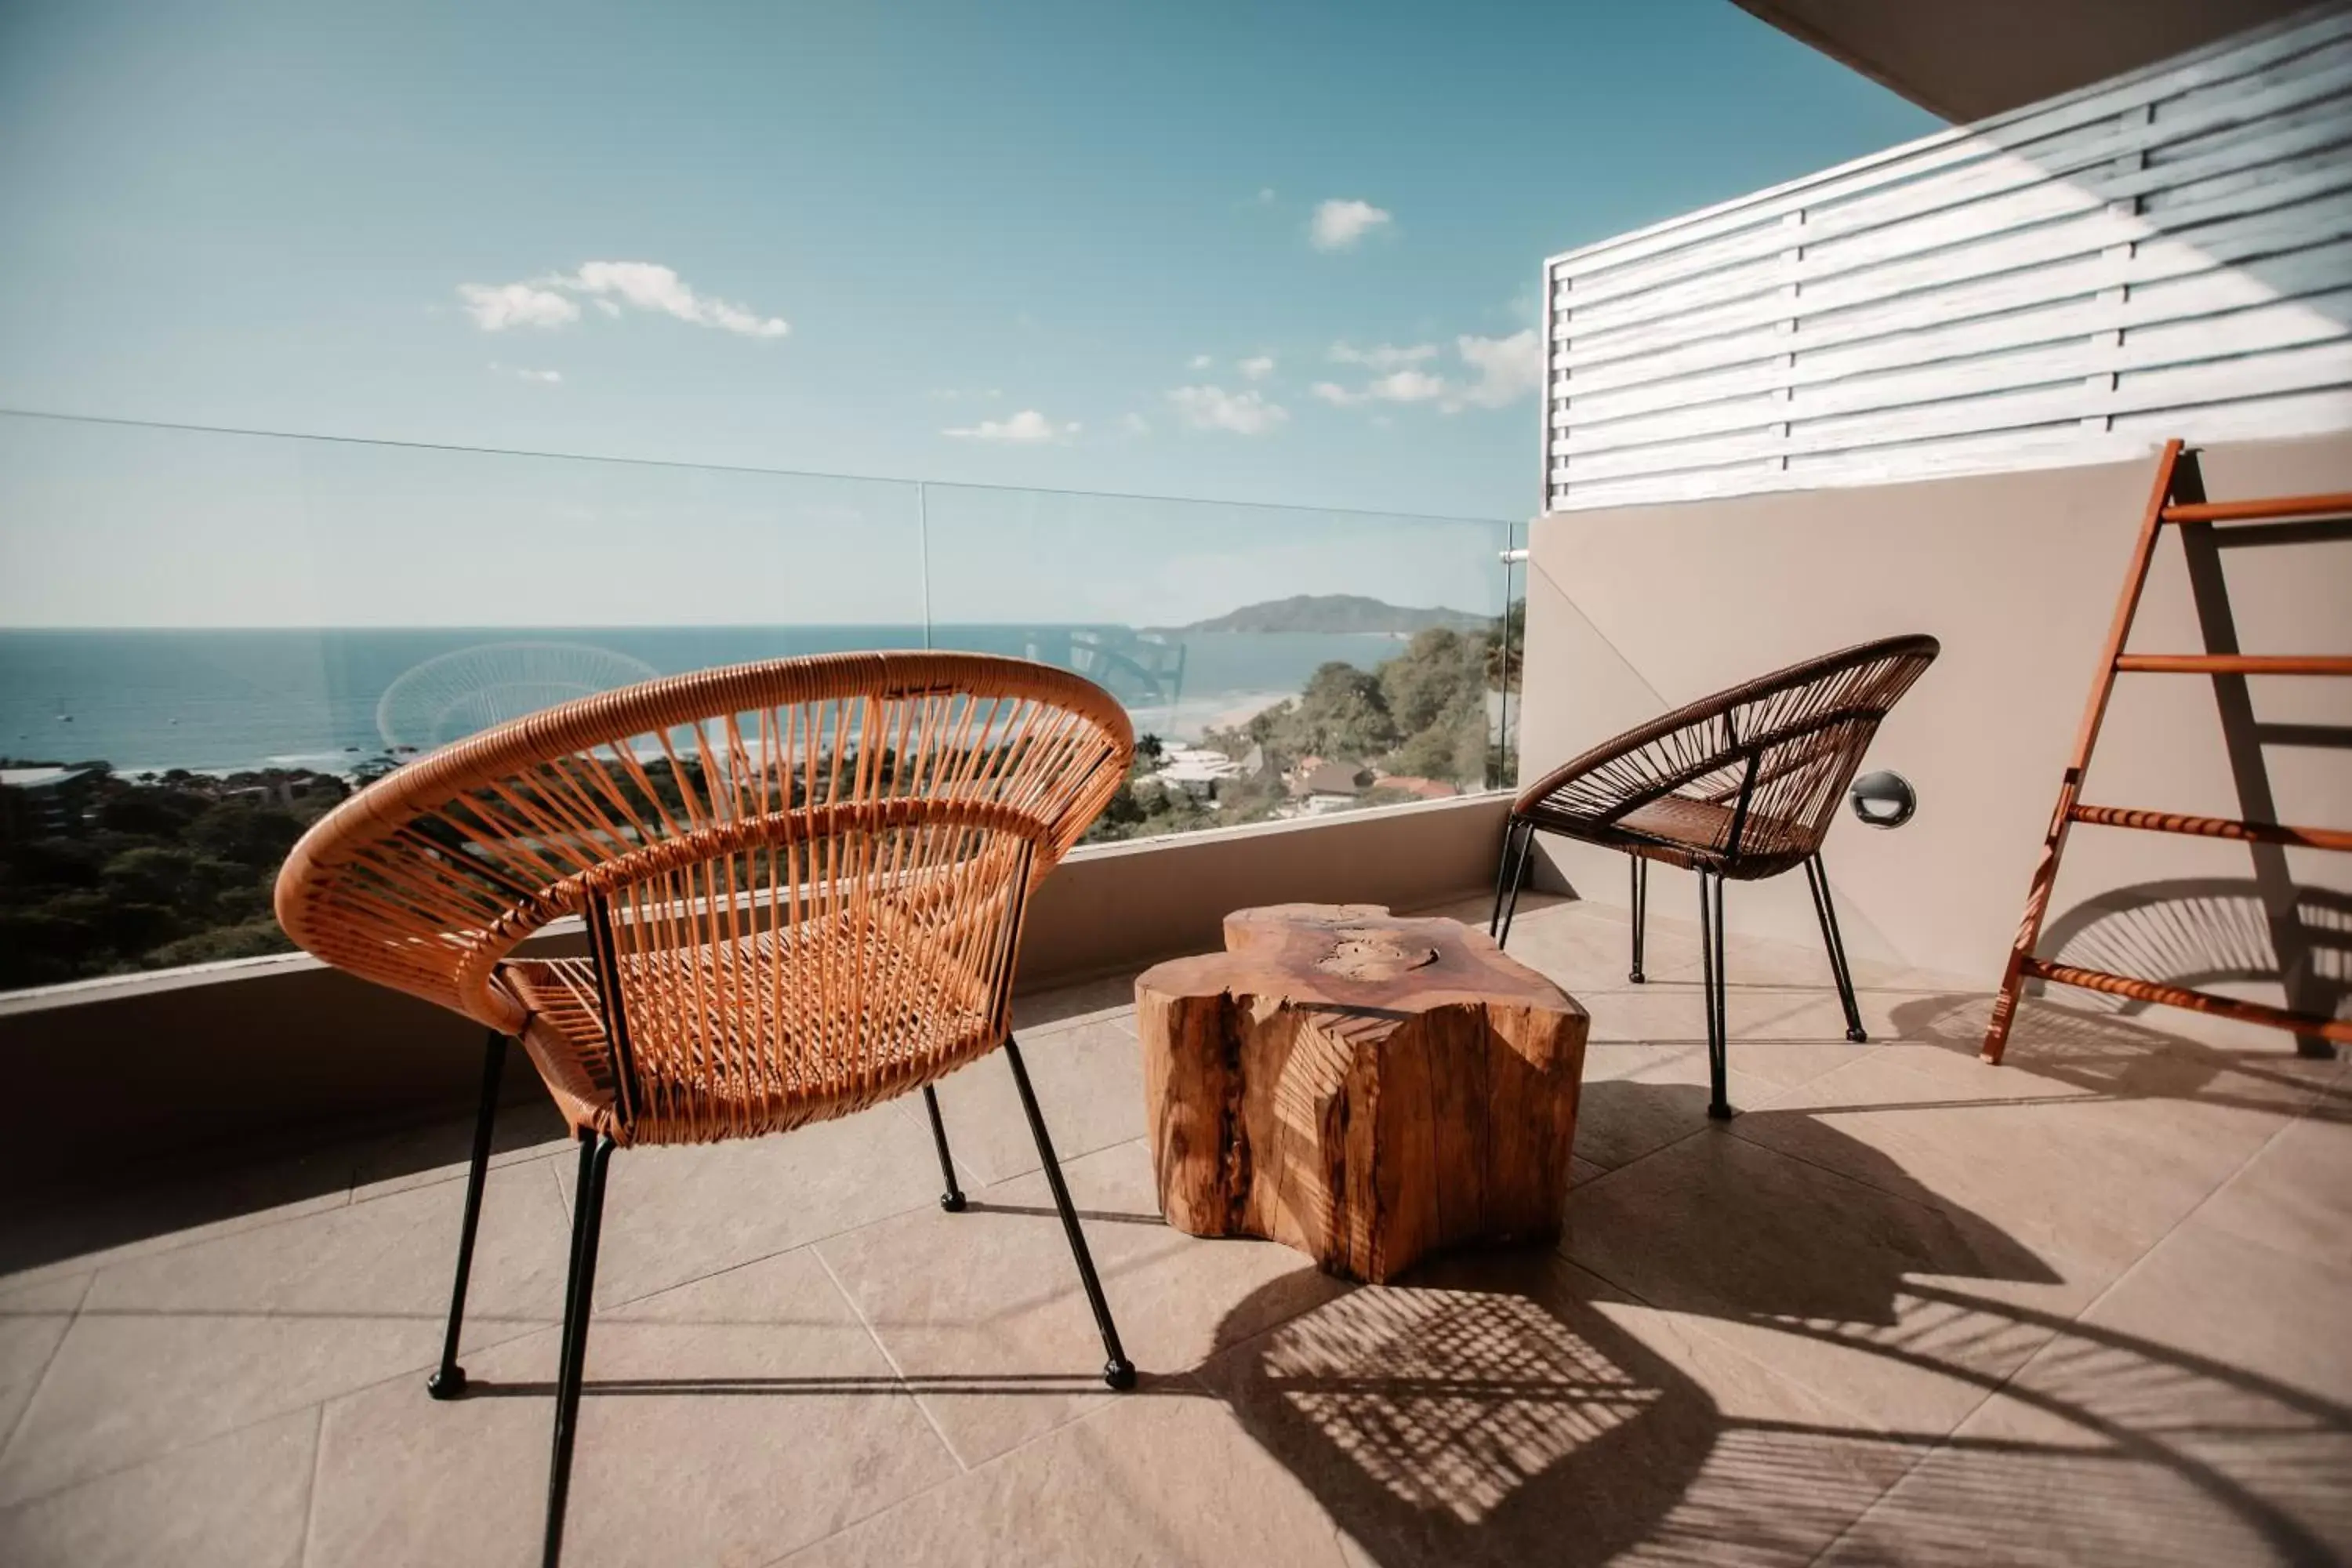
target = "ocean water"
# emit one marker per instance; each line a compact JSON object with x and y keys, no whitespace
{"x":220,"y":700}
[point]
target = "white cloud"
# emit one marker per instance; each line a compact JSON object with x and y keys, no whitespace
{"x":1265,"y":195}
{"x":1497,"y":372}
{"x":1341,"y":224}
{"x":1383,"y":357}
{"x":1257,"y":369}
{"x":1202,"y":362}
{"x":496,"y":307}
{"x":1408,"y":386}
{"x":1136,"y":424}
{"x":649,"y":285}
{"x":1401,"y":386}
{"x":1214,"y":408}
{"x":1509,"y":368}
{"x":1027,"y":425}
{"x":645,"y":285}
{"x":545,"y":377}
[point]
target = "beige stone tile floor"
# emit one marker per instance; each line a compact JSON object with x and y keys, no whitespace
{"x":1905,"y":1308}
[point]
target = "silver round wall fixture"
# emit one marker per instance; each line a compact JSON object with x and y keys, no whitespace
{"x":1883,"y":799}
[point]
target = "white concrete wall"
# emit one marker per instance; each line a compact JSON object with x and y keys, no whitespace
{"x":1631,"y":610}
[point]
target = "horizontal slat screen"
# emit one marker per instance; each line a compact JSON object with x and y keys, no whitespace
{"x":2168,"y":253}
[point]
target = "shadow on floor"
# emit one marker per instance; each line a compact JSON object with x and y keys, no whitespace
{"x":1481,"y":1413}
{"x":2091,"y":1050}
{"x":140,"y":1197}
{"x":2204,"y":932}
{"x":147,"y":1201}
{"x":1489,"y":1408}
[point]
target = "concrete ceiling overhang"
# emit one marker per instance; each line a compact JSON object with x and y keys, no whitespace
{"x":1967,"y":59}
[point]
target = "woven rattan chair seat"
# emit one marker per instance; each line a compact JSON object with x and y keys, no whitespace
{"x":1677,"y":830}
{"x":808,"y":875}
{"x":759,"y":1051}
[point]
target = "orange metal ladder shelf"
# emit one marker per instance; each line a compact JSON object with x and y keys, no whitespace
{"x":2176,"y":473}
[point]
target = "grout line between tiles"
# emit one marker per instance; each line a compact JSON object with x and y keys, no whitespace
{"x":1697,"y":1322}
{"x":1919,"y":1457}
{"x":310,"y":1494}
{"x":2047,"y":1345}
{"x":171,"y":1450}
{"x":1796,"y":1159}
{"x":890,"y":1361}
{"x":158,"y":1246}
{"x":812,"y":1243}
{"x":1100,"y":1409}
{"x":2190,"y":1213}
{"x":158,"y":1456}
{"x":513,"y":1160}
{"x":962,"y":1162}
{"x":25,"y":1416}
{"x":163,"y":1244}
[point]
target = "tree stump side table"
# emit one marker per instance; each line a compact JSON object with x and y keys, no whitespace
{"x":1364,"y":1088}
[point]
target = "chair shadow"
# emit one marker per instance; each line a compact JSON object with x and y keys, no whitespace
{"x":1506,"y":1405}
{"x":1489,"y":1408}
{"x":2089,"y":1050}
{"x":1478,"y":1412}
{"x":2203,"y":931}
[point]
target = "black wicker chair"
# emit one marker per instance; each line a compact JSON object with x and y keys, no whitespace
{"x":1738,"y":786}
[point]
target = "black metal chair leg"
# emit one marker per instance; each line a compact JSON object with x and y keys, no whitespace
{"x":1640,"y":873}
{"x":1518,"y":880}
{"x":579,"y":1298}
{"x":1502,"y":873}
{"x":1817,"y":877}
{"x":1711,"y":968}
{"x":1118,"y":1371}
{"x":450,"y":1381}
{"x":951,"y":1198}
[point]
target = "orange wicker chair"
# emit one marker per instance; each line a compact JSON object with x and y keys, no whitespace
{"x":1740,"y":786}
{"x":802,"y":883}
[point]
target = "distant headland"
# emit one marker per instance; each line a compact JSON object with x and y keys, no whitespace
{"x":1338,"y":614}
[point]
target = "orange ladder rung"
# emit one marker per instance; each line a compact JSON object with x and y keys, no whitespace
{"x":2337,"y":1029}
{"x":2215,"y":827}
{"x":2259,"y":510}
{"x":2235,"y":664}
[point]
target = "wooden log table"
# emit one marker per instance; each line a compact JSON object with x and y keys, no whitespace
{"x":1364,"y":1088}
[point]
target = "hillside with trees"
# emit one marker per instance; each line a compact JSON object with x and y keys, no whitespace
{"x":1423,"y":715}
{"x":102,"y":874}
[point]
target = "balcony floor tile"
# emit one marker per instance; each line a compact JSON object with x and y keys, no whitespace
{"x":235,"y":1501}
{"x":1905,"y":1308}
{"x":173,"y":1347}
{"x":729,"y":1420}
{"x":675,"y":1214}
{"x":1508,"y":1409}
{"x":984,"y":1312}
{"x":1089,"y":1080}
{"x":2196,"y":1414}
{"x":1163,"y":1477}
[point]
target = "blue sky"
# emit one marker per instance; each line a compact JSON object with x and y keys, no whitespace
{"x":1280,"y":253}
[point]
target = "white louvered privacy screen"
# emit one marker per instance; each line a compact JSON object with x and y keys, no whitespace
{"x":2167,"y":253}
